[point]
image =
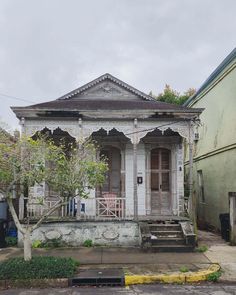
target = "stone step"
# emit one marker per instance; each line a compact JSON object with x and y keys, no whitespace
{"x":165,"y":227}
{"x":169,"y":248}
{"x":168,"y":234}
{"x":168,"y":241}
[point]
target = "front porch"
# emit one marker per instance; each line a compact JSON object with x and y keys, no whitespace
{"x":144,"y":180}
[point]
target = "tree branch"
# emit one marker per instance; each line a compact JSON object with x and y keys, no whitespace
{"x":53,"y":208}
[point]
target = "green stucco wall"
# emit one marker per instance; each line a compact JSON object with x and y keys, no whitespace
{"x":215,"y":152}
{"x":219,"y":175}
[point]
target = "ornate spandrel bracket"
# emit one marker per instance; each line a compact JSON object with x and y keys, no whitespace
{"x":125,"y":128}
{"x":185,"y":129}
{"x":135,"y":132}
{"x":31,"y":129}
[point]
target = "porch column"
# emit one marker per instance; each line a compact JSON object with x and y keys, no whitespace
{"x":21,"y":198}
{"x":80,"y":138}
{"x":192,"y":201}
{"x":135,"y":171}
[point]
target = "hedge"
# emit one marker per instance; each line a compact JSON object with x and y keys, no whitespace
{"x":39,"y":267}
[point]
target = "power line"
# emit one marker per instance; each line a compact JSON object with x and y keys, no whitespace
{"x":150,"y":129}
{"x":16,"y":98}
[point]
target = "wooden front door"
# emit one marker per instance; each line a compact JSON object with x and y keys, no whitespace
{"x":160,"y":181}
{"x":112,"y":182}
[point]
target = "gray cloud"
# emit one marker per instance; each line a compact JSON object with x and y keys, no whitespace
{"x":48,"y":48}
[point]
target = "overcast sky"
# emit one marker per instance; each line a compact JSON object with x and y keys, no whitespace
{"x":50,"y":47}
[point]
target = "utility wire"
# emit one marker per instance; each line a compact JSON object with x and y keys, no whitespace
{"x":17,"y":98}
{"x":153,"y":128}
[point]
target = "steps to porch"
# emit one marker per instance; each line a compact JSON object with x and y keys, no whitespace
{"x":167,"y":236}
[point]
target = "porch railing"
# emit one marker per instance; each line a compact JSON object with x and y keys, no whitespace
{"x":110,"y":207}
{"x":98,"y":208}
{"x":35,"y":209}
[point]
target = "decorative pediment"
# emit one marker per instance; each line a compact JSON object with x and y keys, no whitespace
{"x":107,"y":90}
{"x":106,"y":87}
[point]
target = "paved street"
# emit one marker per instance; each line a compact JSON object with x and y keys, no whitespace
{"x":209,"y":289}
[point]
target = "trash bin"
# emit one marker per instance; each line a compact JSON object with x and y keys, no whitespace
{"x":3,"y":227}
{"x":224,"y":221}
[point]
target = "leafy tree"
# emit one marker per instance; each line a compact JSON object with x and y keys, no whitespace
{"x":170,"y":95}
{"x":70,"y":172}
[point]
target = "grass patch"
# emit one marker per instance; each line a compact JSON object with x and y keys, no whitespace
{"x":213,"y":277}
{"x":40,"y":267}
{"x":183,"y":269}
{"x":88,"y":243}
{"x":201,"y":249}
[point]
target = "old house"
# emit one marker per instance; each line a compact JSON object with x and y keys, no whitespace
{"x":214,"y":167}
{"x":143,"y":142}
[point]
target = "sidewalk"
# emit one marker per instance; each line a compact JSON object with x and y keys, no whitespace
{"x":220,"y":252}
{"x":132,"y":260}
{"x":135,"y":261}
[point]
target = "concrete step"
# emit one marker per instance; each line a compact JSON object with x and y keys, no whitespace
{"x":168,"y":241}
{"x":165,"y":227}
{"x":169,"y":248}
{"x":169,"y":233}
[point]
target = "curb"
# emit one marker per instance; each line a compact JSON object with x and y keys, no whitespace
{"x":33,"y":283}
{"x":173,"y":278}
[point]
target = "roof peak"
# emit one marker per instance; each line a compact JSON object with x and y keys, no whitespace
{"x":106,"y":76}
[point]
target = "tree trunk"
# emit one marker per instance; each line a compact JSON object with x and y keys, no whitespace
{"x":27,"y":246}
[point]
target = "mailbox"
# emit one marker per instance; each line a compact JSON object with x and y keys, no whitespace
{"x":139,"y":179}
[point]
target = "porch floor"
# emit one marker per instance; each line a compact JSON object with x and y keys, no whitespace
{"x":162,"y":218}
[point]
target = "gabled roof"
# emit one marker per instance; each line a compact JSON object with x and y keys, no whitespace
{"x":105,"y":94}
{"x":213,"y":75}
{"x":83,"y":104}
{"x":102,"y":78}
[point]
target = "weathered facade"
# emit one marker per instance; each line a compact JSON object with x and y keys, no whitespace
{"x":141,"y":138}
{"x":214,"y":168}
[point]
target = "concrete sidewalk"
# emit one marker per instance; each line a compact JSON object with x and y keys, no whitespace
{"x":132,"y":260}
{"x":220,"y":252}
{"x":135,"y":261}
{"x":225,"y":256}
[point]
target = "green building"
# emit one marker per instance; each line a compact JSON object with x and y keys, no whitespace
{"x":214,"y":161}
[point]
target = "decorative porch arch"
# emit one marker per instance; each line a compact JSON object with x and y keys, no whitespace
{"x":134,"y":130}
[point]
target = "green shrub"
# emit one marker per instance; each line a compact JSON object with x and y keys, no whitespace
{"x":39,"y":267}
{"x":183,"y":269}
{"x":53,"y":243}
{"x":201,"y":249}
{"x":88,"y":243}
{"x":37,"y":244}
{"x":11,"y":241}
{"x":213,"y":277}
